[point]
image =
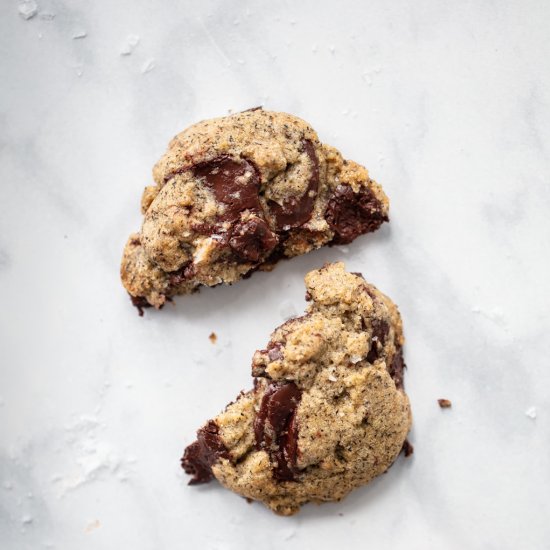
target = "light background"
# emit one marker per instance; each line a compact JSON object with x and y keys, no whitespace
{"x":446,"y":103}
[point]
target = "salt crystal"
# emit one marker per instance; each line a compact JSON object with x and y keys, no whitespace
{"x":531,"y":412}
{"x":26,"y":520}
{"x":288,"y":533}
{"x":355,"y":359}
{"x":287,"y":310}
{"x":132,"y":40}
{"x":81,"y":33}
{"x":148,"y":66}
{"x":332,"y":378}
{"x":28,"y":9}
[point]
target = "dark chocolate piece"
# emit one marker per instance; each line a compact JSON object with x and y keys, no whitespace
{"x":234,"y":183}
{"x":252,"y":239}
{"x":380,"y":330}
{"x":295,"y":211}
{"x":274,"y":351}
{"x":200,"y":456}
{"x":276,"y":428}
{"x":175,"y":278}
{"x":351,"y":214}
{"x":396,"y":368}
{"x":140,"y":302}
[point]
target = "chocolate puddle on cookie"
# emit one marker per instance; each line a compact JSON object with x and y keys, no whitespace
{"x":276,"y":430}
{"x":295,"y":211}
{"x":236,"y":185}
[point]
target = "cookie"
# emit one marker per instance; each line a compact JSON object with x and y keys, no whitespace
{"x":239,"y":193}
{"x":328,"y":411}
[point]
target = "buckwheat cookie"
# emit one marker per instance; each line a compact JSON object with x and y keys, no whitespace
{"x":328,"y":411}
{"x":239,"y":193}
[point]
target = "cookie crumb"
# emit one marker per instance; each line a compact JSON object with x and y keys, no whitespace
{"x":531,"y":412}
{"x":444,"y":403}
{"x":92,"y":526}
{"x":408,"y":449}
{"x":213,"y":337}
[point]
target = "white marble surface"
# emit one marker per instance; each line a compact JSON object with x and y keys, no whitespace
{"x":447,"y":103}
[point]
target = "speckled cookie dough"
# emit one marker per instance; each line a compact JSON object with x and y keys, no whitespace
{"x":328,"y":411}
{"x":237,"y":194}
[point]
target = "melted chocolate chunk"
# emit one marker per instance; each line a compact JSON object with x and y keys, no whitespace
{"x":251,"y":240}
{"x":234,"y":183}
{"x":200,"y":456}
{"x":351,"y":214}
{"x":274,"y":351}
{"x":183,"y":274}
{"x":295,"y":211}
{"x":140,"y":303}
{"x":276,"y":428}
{"x":396,"y":368}
{"x":380,"y":331}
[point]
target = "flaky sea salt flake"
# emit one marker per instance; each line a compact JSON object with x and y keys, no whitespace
{"x":148,"y":66}
{"x":28,"y":9}
{"x":531,"y":412}
{"x":132,"y":40}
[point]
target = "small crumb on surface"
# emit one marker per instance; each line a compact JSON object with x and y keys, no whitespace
{"x":213,"y":337}
{"x":28,"y":9}
{"x":81,"y":33}
{"x":531,"y":412}
{"x":92,"y":526}
{"x":408,"y":449}
{"x":26,"y":519}
{"x":444,"y":403}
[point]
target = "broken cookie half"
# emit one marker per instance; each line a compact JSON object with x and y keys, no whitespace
{"x":328,"y":411}
{"x":239,"y":193}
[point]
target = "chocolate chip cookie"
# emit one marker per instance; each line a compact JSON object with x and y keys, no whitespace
{"x":239,"y":193}
{"x":328,"y":411}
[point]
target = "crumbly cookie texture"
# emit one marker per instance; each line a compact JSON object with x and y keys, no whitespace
{"x":328,"y":411}
{"x":237,"y":194}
